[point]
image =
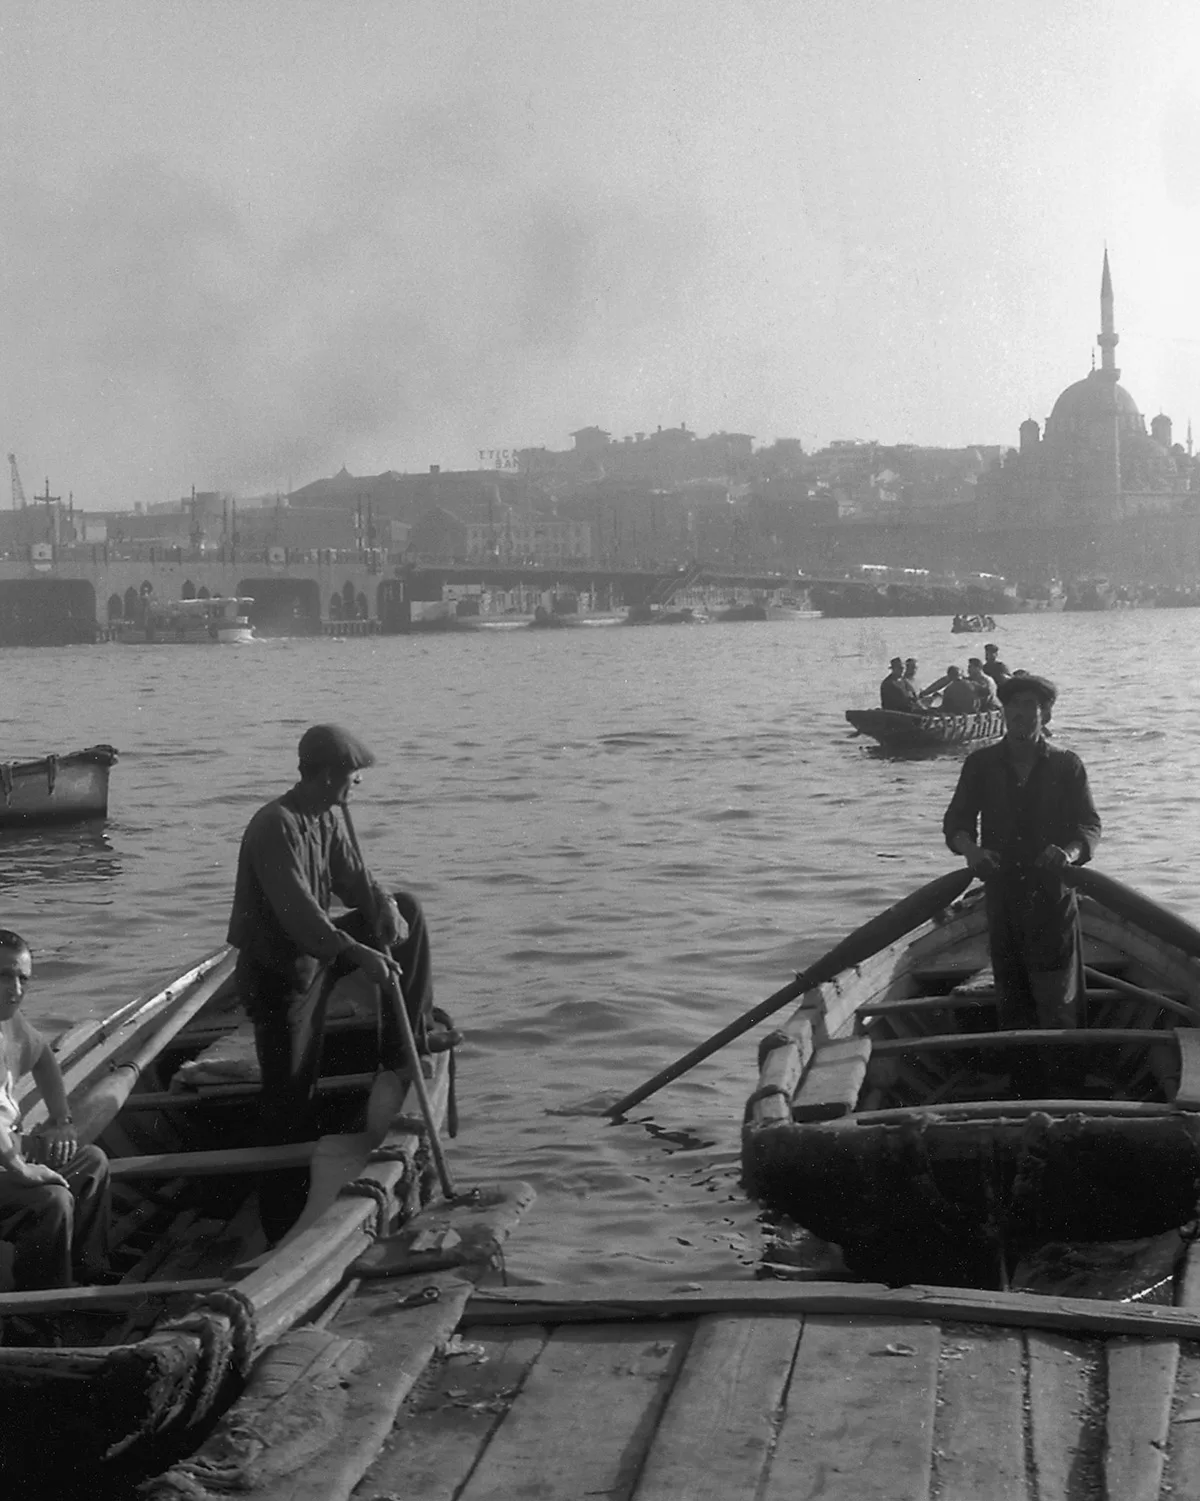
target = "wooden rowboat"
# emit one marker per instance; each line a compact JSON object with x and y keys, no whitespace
{"x":931,"y":731}
{"x":885,"y":1118}
{"x":1033,"y":1261}
{"x":56,"y":789}
{"x":168,"y":1086}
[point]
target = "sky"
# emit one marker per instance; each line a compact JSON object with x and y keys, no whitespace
{"x":247,"y":242}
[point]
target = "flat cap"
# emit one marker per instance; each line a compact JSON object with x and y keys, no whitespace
{"x":1027,"y":682}
{"x":895,"y":662}
{"x":328,"y":746}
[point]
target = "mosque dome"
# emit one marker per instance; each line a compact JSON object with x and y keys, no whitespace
{"x":1093,"y":397}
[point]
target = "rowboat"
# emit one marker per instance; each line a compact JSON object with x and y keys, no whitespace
{"x":56,"y":789}
{"x":929,"y":731}
{"x":167,"y":1085}
{"x":885,"y":1123}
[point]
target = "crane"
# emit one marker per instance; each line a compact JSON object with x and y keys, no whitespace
{"x":18,"y":489}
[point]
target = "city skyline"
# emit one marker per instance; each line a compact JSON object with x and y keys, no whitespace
{"x":249,"y":245}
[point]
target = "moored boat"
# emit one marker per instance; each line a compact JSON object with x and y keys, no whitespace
{"x":168,"y":1086}
{"x":221,"y":620}
{"x":928,"y":731}
{"x":56,"y":789}
{"x":887,"y":1119}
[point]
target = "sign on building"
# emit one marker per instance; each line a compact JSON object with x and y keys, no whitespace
{"x":507,"y":459}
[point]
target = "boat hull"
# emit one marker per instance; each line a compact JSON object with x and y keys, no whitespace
{"x":56,"y":789}
{"x":927,"y":731}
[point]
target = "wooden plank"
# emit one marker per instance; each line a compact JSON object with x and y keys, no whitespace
{"x":1141,"y":1385}
{"x":917,"y":1005}
{"x":1188,"y":1092}
{"x":1063,"y":1432}
{"x":311,"y":1437}
{"x":859,"y":1419}
{"x":209,"y":1094}
{"x":451,"y":1415}
{"x":979,"y":1435}
{"x":120,"y":1295}
{"x":599,"y":1392}
{"x":212,"y":1163}
{"x":560,"y":1303}
{"x":1182,"y":1477}
{"x":832,"y":1081}
{"x":721,"y":1419}
{"x":1078,"y":1037}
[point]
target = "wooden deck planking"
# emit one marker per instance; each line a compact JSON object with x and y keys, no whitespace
{"x":1065,"y":1431}
{"x":598,"y":1391}
{"x":1183,"y":1454}
{"x":1141,"y":1384}
{"x":832,"y":1445}
{"x":450,"y":1416}
{"x":716,"y":1434}
{"x":979,"y":1435}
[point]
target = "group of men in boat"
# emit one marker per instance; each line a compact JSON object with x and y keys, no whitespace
{"x":298,"y":852}
{"x":955,"y":692}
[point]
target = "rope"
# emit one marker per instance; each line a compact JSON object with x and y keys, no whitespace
{"x":367,"y":1188}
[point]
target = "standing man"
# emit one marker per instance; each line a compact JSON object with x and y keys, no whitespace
{"x":1021,"y":813}
{"x":54,"y":1193}
{"x":296,"y":855}
{"x":992,"y":664}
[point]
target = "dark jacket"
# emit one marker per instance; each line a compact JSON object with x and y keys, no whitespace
{"x":291,"y":865}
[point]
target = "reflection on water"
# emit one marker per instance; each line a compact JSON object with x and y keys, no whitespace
{"x":78,"y":853}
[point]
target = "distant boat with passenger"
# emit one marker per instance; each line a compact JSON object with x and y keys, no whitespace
{"x":928,"y":731}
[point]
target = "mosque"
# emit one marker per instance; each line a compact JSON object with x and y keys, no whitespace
{"x":1093,"y":491}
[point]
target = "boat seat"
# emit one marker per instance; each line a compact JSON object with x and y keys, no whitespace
{"x":212,"y":1163}
{"x":832,"y":1080}
{"x":231,"y":1057}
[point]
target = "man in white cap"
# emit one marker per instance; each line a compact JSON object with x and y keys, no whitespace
{"x":297,"y":853}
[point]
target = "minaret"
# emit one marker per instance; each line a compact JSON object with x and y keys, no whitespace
{"x":1107,"y":338}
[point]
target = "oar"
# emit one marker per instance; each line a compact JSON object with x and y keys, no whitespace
{"x":393,"y":997}
{"x":400,"y":1012}
{"x":885,"y":928}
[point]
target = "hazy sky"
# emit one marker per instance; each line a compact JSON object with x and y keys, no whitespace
{"x":248,"y":242}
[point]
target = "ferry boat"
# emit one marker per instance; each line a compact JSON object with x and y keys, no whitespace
{"x":222,"y":620}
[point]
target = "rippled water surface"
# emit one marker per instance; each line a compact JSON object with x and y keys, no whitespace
{"x":623,"y":838}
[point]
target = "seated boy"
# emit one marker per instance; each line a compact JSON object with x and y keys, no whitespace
{"x":54,"y":1193}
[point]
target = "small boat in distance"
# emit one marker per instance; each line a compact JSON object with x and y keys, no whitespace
{"x":56,"y":789}
{"x":963,"y":623}
{"x":221,"y":620}
{"x":930,"y":731}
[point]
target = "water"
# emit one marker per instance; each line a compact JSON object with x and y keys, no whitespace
{"x":624,"y":838}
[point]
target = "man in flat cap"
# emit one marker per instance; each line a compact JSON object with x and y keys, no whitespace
{"x":298,"y":852}
{"x":1021,"y":813}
